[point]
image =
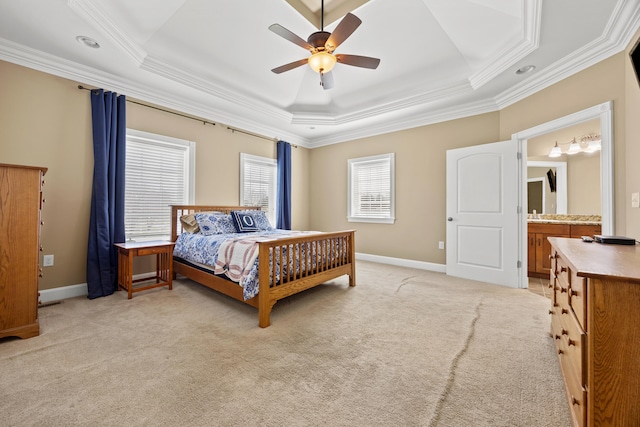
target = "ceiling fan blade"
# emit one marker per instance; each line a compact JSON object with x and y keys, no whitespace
{"x":344,"y":29}
{"x":283,"y":32}
{"x":358,"y":61}
{"x":326,"y":80}
{"x":290,"y":66}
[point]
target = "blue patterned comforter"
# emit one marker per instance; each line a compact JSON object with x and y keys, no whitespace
{"x":200,"y":249}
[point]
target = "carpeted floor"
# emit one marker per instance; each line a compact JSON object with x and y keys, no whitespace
{"x":403,"y":348}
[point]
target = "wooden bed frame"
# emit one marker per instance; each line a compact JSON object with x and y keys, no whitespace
{"x":337,"y":249}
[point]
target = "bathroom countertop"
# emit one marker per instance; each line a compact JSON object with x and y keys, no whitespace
{"x":566,"y":219}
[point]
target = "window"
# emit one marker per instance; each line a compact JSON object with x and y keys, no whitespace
{"x":258,"y":184}
{"x":372,"y":189}
{"x":160,"y":172}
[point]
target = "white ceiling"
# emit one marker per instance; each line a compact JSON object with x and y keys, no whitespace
{"x":440,"y":59}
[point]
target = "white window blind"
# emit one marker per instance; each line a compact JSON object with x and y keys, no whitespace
{"x":258,"y":183}
{"x":371,"y":189}
{"x":159,"y":173}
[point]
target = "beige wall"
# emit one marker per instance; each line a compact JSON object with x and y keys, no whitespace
{"x":420,"y":191}
{"x":600,"y":83}
{"x":46,"y":121}
{"x":420,"y":162}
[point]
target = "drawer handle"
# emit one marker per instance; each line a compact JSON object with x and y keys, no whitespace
{"x":560,"y":351}
{"x":575,"y":401}
{"x":563,"y":269}
{"x":564,"y":311}
{"x":564,"y":332}
{"x":574,"y":293}
{"x":563,"y":290}
{"x":550,"y":311}
{"x":557,"y":337}
{"x":571,"y":342}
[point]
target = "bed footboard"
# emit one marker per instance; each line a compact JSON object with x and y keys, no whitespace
{"x":289,"y":266}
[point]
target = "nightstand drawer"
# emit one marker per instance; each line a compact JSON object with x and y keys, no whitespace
{"x":153,"y":250}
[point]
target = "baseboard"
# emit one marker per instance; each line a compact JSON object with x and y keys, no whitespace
{"x":71,"y":291}
{"x":440,"y":268}
{"x":64,"y":292}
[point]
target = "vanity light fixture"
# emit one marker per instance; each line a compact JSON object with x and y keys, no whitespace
{"x":574,"y":147}
{"x":594,"y":143}
{"x":555,"y":151}
{"x":585,"y":144}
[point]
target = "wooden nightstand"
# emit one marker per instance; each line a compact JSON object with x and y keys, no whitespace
{"x":164,"y":265}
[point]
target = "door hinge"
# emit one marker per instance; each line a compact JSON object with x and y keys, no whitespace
{"x":519,"y":155}
{"x":519,"y":264}
{"x":519,"y":209}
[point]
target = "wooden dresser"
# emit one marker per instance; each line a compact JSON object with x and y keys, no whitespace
{"x":595,"y":323}
{"x":20,"y":205}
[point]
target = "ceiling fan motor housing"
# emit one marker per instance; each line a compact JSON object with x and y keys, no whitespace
{"x":318,"y":39}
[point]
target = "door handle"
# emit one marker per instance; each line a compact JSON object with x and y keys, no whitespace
{"x":449,"y":219}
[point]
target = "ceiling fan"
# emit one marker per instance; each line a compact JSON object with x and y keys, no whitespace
{"x":322,"y":44}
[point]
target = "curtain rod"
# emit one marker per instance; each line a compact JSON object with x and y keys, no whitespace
{"x":232,"y":129}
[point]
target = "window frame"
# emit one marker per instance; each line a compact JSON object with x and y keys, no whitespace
{"x":189,"y":147}
{"x":352,"y":214}
{"x":244,"y":157}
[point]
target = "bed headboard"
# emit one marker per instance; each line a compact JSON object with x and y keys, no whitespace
{"x":178,"y":210}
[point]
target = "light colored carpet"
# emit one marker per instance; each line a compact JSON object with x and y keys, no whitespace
{"x":403,"y":348}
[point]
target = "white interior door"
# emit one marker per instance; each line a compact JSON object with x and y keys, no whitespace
{"x":482,"y":213}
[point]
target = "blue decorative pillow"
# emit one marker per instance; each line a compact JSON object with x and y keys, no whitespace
{"x":210,"y":224}
{"x":246,"y":221}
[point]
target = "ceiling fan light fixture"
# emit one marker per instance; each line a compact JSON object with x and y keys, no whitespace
{"x":322,"y":62}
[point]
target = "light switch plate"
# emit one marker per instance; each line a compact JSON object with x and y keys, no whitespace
{"x":47,"y":260}
{"x":635,"y":200}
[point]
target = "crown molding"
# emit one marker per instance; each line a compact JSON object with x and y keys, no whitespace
{"x":417,"y":119}
{"x":46,"y":63}
{"x":505,"y":59}
{"x":95,"y":16}
{"x":181,"y":76}
{"x":311,"y":119}
{"x":617,"y":34}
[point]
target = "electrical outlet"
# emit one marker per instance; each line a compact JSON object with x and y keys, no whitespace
{"x":635,"y":200}
{"x":47,"y":260}
{"x":441,"y":245}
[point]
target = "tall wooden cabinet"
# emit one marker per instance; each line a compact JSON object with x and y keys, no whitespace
{"x":20,"y":206}
{"x":595,"y":324}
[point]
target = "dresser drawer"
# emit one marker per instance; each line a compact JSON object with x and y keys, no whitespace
{"x":577,"y":398}
{"x":578,"y":299}
{"x":563,"y":273}
{"x":574,"y":340}
{"x":556,"y":326}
